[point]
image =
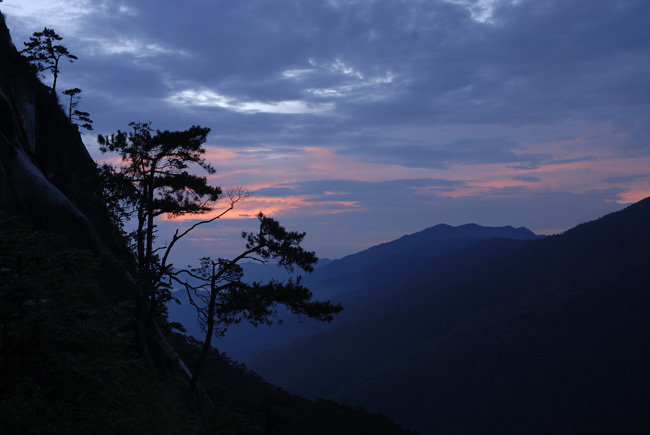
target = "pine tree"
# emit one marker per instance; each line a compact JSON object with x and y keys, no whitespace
{"x":76,"y":115}
{"x":152,"y":181}
{"x":45,"y":54}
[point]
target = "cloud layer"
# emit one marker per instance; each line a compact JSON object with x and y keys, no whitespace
{"x":359,"y":121}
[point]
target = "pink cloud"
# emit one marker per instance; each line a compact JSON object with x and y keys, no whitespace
{"x":277,"y":206}
{"x":260,"y":168}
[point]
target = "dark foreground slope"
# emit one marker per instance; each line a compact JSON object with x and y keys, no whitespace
{"x":544,"y":336}
{"x":69,"y":365}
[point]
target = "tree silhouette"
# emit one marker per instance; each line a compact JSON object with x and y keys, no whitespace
{"x":74,"y":99}
{"x":43,"y":51}
{"x":222,"y":298}
{"x":155,"y":168}
{"x":152,"y":181}
{"x":77,"y":115}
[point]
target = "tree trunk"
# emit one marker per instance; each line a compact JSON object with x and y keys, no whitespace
{"x":208,"y":337}
{"x":55,"y":73}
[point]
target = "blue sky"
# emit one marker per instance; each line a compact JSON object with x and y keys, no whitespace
{"x":359,"y":121}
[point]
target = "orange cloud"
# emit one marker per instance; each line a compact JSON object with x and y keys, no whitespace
{"x":263,"y":167}
{"x":110,"y":159}
{"x":277,"y":206}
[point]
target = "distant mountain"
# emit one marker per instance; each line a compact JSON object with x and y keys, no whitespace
{"x":503,"y":336}
{"x":363,"y":282}
{"x":427,"y":240}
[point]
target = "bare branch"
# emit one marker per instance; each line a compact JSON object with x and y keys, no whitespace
{"x":175,"y":274}
{"x":235,"y":195}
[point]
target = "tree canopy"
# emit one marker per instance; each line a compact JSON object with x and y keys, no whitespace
{"x":154,"y":180}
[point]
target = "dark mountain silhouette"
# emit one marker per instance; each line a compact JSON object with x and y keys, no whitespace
{"x":363,"y":282}
{"x":505,"y":336}
{"x":428,"y":240}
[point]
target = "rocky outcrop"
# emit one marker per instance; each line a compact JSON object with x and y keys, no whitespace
{"x":49,"y":180}
{"x":47,"y":177}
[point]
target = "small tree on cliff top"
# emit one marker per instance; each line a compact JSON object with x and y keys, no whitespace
{"x":78,"y":117}
{"x":43,"y":52}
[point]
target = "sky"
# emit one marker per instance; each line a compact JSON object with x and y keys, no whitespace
{"x":359,"y":121}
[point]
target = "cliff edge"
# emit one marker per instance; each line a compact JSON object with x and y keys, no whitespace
{"x":47,"y":177}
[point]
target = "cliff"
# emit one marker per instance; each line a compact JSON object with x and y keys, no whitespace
{"x":47,"y":177}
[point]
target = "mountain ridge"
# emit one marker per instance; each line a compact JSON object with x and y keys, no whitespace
{"x":572,"y":307}
{"x":421,"y":238}
{"x":336,"y":281}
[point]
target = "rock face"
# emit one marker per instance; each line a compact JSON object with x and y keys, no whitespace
{"x":47,"y":177}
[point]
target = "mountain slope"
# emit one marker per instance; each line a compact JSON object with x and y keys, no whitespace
{"x":545,"y":336}
{"x":427,"y":239}
{"x":362,"y":282}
